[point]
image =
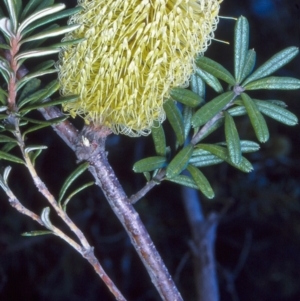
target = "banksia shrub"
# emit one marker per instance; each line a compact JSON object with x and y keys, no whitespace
{"x":135,"y":51}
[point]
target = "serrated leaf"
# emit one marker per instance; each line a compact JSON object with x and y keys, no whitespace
{"x":212,"y":108}
{"x":51,"y":18}
{"x":210,"y":80}
{"x":149,"y":164}
{"x":58,"y":101}
{"x":274,"y":83}
{"x":40,"y":95}
{"x":201,"y":181}
{"x":222,"y":153}
{"x":64,"y":206}
{"x":187,"y":114}
{"x":273,"y":64}
{"x":197,"y":85}
{"x":4,"y":138}
{"x":232,"y":139}
{"x":179,"y":162}
{"x":241,"y":43}
{"x":51,"y":33}
{"x":40,"y":14}
{"x":175,"y":118}
{"x":71,"y":178}
{"x":9,"y":157}
{"x":249,"y":64}
{"x":159,"y":140}
{"x":237,"y":111}
{"x":186,"y":97}
{"x":215,"y":69}
{"x":183,"y":180}
{"x":276,"y":112}
{"x":257,"y":120}
{"x":31,"y":86}
{"x":37,"y":233}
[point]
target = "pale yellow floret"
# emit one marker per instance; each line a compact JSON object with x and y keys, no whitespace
{"x":135,"y":51}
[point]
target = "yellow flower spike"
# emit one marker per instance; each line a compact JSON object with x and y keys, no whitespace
{"x":135,"y":51}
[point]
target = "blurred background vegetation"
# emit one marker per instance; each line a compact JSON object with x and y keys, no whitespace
{"x":258,"y":242}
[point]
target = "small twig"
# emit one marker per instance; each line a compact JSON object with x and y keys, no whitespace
{"x":152,"y":183}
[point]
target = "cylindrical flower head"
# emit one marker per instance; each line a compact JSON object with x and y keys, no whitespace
{"x":135,"y":51}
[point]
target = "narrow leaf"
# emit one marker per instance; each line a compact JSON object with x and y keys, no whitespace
{"x":46,"y":122}
{"x":210,"y":80}
{"x":9,"y":157}
{"x":6,"y":27}
{"x":237,"y":111}
{"x":273,"y":64}
{"x":212,"y":108}
{"x":29,"y":8}
{"x":179,"y":162}
{"x":36,"y":233}
{"x":31,"y":86}
{"x":241,"y":43}
{"x":4,"y":138}
{"x":232,"y":139}
{"x":43,"y":66}
{"x":249,"y":64}
{"x":257,"y":120}
{"x":34,"y":148}
{"x":36,"y":53}
{"x":222,"y":153}
{"x":6,"y":173}
{"x":183,"y":180}
{"x":215,"y":69}
{"x":159,"y":140}
{"x":197,"y":85}
{"x":186,"y":97}
{"x":274,"y":83}
{"x":175,"y":118}
{"x":246,"y":146}
{"x":205,"y":160}
{"x":46,"y":219}
{"x":71,"y":178}
{"x":276,"y":112}
{"x":187,"y":114}
{"x":149,"y":164}
{"x":12,"y":10}
{"x":201,"y":181}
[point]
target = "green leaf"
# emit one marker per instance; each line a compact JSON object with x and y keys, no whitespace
{"x":43,"y":66}
{"x":159,"y":139}
{"x":5,"y":27}
{"x":186,"y":97}
{"x":64,"y":206}
{"x":273,"y":64}
{"x":249,"y":64}
{"x":222,"y":153}
{"x":34,"y":148}
{"x":31,"y":86}
{"x":212,"y":108}
{"x":9,"y":157}
{"x":46,"y":122}
{"x":210,"y":80}
{"x":274,"y":83}
{"x":4,"y":138}
{"x":232,"y":139}
{"x":41,"y":95}
{"x":201,"y":181}
{"x":246,"y":146}
{"x":51,"y":33}
{"x":205,"y":160}
{"x":36,"y":233}
{"x":51,"y":18}
{"x":149,"y":164}
{"x":71,"y":178}
{"x":6,"y":174}
{"x":40,"y":14}
{"x":33,"y":155}
{"x":175,"y":118}
{"x":276,"y":112}
{"x":67,"y":43}
{"x":179,"y":162}
{"x":187,"y":114}
{"x":11,"y":6}
{"x":241,"y":43}
{"x":58,"y":101}
{"x":215,"y":69}
{"x":257,"y":120}
{"x":237,"y":111}
{"x":29,"y":8}
{"x":4,"y":46}
{"x":34,"y":128}
{"x":183,"y":180}
{"x":36,"y":53}
{"x":197,"y":85}
{"x":44,"y":4}
{"x":3,"y":96}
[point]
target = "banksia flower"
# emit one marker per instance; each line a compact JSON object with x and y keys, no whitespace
{"x":135,"y":51}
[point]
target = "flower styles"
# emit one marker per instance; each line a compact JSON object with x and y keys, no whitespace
{"x":135,"y":51}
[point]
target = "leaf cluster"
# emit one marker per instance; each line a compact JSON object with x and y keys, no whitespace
{"x":199,"y":118}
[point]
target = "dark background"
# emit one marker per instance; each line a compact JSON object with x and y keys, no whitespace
{"x":258,"y":237}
